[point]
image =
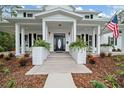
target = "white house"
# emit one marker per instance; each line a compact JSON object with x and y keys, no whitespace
{"x":61,"y":23}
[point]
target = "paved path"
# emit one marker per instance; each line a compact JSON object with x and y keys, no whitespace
{"x":59,"y":67}
{"x":59,"y":80}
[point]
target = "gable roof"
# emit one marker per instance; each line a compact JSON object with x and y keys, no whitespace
{"x":58,"y":10}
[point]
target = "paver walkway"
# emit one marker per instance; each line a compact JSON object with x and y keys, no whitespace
{"x":59,"y":67}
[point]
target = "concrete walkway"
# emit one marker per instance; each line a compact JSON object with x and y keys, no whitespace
{"x":59,"y":67}
{"x":59,"y":80}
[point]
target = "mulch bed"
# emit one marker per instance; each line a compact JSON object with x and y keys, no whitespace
{"x":17,"y":73}
{"x":102,"y":67}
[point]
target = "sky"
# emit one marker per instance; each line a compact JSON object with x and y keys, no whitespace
{"x":105,"y":10}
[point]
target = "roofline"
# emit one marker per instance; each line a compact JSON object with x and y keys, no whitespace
{"x":86,"y":11}
{"x":60,"y":9}
{"x":29,"y":9}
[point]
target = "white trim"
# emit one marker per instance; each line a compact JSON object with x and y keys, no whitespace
{"x":22,"y":40}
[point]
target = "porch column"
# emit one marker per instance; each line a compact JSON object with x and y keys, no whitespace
{"x":93,"y":43}
{"x":22,"y":40}
{"x":122,"y":41}
{"x":74,"y":30}
{"x":72,"y":36}
{"x":98,"y":40}
{"x":44,"y":29}
{"x":17,"y":39}
{"x":32,"y":39}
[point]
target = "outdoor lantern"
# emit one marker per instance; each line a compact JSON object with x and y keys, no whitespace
{"x":69,"y":33}
{"x":49,"y":33}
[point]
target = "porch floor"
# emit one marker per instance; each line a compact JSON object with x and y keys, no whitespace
{"x":59,"y":63}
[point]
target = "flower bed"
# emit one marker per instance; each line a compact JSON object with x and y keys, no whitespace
{"x":106,"y":70}
{"x":14,"y":75}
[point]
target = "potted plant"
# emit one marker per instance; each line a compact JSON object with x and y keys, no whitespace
{"x":78,"y":51}
{"x":40,"y":51}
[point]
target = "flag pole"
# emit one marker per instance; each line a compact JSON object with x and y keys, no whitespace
{"x":108,"y":22}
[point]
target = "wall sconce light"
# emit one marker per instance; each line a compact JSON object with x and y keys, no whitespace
{"x":49,"y":33}
{"x":69,"y":33}
{"x":59,"y":24}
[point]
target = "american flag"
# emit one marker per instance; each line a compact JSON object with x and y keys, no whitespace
{"x":113,"y":26}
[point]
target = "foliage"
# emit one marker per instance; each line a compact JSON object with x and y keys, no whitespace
{"x":118,"y":58}
{"x":120,"y":64}
{"x":121,"y":73}
{"x":23,"y":61}
{"x":112,"y":80}
{"x":11,"y":83}
{"x":1,"y":49}
{"x":26,"y":55}
{"x":41,"y":43}
{"x":7,"y":41}
{"x":6,"y":70}
{"x":98,"y":84}
{"x":91,"y":59}
{"x":102,"y":54}
{"x":109,"y":54}
{"x":118,"y":50}
{"x":11,"y":55}
{"x":1,"y":63}
{"x":79,"y":44}
{"x":7,"y":57}
{"x":105,"y":45}
{"x":1,"y":56}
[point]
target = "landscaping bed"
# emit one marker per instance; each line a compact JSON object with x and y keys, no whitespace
{"x":13,"y":74}
{"x":105,"y":70}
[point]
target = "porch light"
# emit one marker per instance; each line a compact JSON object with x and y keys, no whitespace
{"x":69,"y":33}
{"x":60,"y":25}
{"x":49,"y":33}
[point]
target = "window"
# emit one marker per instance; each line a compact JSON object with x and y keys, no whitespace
{"x":83,"y":37}
{"x":24,"y":14}
{"x":116,"y":41}
{"x":29,"y":15}
{"x":87,"y":39}
{"x":91,"y":16}
{"x":95,"y":40}
{"x":87,"y":17}
{"x":90,"y":40}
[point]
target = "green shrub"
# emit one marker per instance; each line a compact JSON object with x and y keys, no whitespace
{"x":98,"y":84}
{"x":112,"y":80}
{"x":41,"y":43}
{"x":1,"y":56}
{"x":11,"y":55}
{"x":102,"y":54}
{"x":1,"y":63}
{"x":1,"y":49}
{"x":79,"y":44}
{"x":6,"y":70}
{"x":121,"y":73}
{"x":120,"y":64}
{"x":11,"y":83}
{"x":23,"y":61}
{"x":109,"y":54}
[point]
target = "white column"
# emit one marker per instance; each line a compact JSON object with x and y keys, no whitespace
{"x":32,"y":39}
{"x":74,"y":30}
{"x":17,"y":39}
{"x":98,"y":40}
{"x":46,"y":32}
{"x":122,"y":41}
{"x":43,"y":29}
{"x":22,"y":40}
{"x":72,"y":38}
{"x":93,"y":42}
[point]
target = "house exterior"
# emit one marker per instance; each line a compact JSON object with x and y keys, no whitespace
{"x":59,"y":25}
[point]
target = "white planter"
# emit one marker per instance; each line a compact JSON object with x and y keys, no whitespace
{"x":106,"y":49}
{"x":79,"y":55}
{"x":39,"y":54}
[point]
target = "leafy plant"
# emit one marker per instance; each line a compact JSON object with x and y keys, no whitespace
{"x":1,"y":63}
{"x":6,"y":70}
{"x":98,"y":84}
{"x":112,"y":80}
{"x":1,"y":49}
{"x":26,"y":55}
{"x":102,"y":54}
{"x":1,"y":56}
{"x":120,"y":64}
{"x":109,"y":54}
{"x":23,"y":61}
{"x":41,"y":43}
{"x":11,"y":83}
{"x":79,"y":44}
{"x":7,"y":57}
{"x":121,"y":73}
{"x":11,"y":55}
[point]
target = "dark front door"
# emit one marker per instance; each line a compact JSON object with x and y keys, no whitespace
{"x":59,"y":42}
